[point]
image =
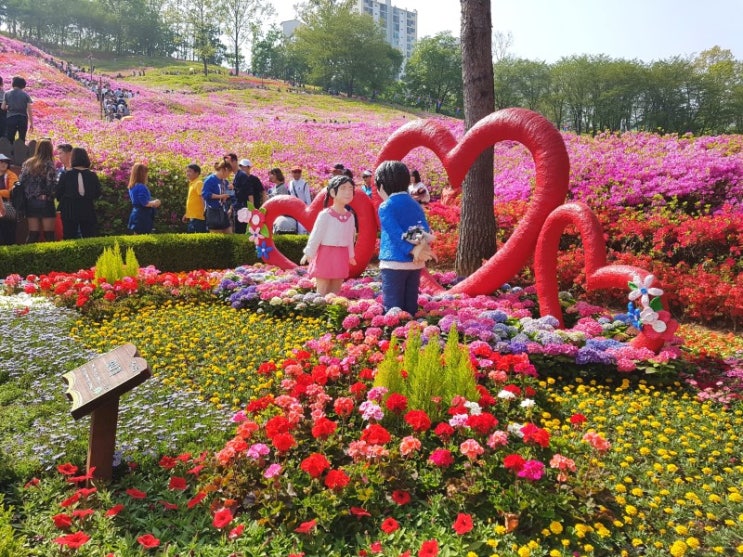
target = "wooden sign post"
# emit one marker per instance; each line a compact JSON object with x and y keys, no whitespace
{"x":95,"y":388}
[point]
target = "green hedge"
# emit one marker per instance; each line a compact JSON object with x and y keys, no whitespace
{"x":167,"y":252}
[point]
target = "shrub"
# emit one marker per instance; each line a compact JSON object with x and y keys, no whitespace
{"x":11,"y":545}
{"x":167,"y":252}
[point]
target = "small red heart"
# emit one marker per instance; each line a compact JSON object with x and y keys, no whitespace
{"x":290,"y":206}
{"x":599,"y":275}
{"x":552,"y":165}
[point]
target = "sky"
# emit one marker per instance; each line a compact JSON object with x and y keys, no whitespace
{"x":547,"y":30}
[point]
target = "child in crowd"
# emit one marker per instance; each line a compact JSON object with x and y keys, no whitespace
{"x":142,"y":217}
{"x":405,"y":241}
{"x":330,"y":248}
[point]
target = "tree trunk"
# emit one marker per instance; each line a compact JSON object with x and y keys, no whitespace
{"x":477,"y":226}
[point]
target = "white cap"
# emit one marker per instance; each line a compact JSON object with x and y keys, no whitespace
{"x":244,"y":162}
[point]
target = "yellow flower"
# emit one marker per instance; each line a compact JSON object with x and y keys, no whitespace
{"x":555,"y":527}
{"x":524,"y":551}
{"x":678,"y":549}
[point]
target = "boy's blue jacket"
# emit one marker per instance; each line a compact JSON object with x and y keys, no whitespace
{"x":396,"y":214}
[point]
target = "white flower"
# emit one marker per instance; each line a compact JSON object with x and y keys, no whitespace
{"x":473,"y":407}
{"x":243,"y":215}
{"x":506,"y":395}
{"x":650,"y":317}
{"x":644,"y":289}
{"x":515,"y":429}
{"x":527,"y":403}
{"x":458,"y":420}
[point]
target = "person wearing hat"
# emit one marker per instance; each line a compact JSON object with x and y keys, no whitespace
{"x":8,"y":178}
{"x":299,"y":188}
{"x":252,"y":192}
{"x":338,"y":169}
{"x":366,"y":175}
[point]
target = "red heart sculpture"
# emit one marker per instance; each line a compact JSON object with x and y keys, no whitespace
{"x":290,"y":206}
{"x":552,"y":165}
{"x":599,"y":275}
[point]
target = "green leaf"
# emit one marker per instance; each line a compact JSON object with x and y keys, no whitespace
{"x":655,"y":304}
{"x":632,"y":285}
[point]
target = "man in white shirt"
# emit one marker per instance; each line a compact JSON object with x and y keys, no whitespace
{"x":299,"y":188}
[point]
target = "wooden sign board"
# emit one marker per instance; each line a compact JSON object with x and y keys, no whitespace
{"x":104,"y":379}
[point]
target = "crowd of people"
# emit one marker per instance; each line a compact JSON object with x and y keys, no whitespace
{"x":70,"y":189}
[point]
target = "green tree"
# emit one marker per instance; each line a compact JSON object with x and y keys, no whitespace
{"x":477,"y":228}
{"x":242,"y":17}
{"x":434,"y":71}
{"x":344,"y":50}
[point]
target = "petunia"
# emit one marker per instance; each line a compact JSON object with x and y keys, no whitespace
{"x":73,"y":541}
{"x":148,"y":541}
{"x":401,"y":497}
{"x":429,"y":548}
{"x":177,"y":483}
{"x":389,"y":525}
{"x":62,"y":521}
{"x":462,"y":524}
{"x":306,"y":527}
{"x":222,"y":518}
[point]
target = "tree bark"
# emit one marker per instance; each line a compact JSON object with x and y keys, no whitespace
{"x":477,"y":226}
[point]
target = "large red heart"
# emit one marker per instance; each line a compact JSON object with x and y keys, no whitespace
{"x":290,"y":206}
{"x":552,"y":165}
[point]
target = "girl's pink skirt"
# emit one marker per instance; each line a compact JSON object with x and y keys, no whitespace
{"x":331,"y":262}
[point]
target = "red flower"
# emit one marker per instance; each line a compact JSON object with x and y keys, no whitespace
{"x":168,"y":506}
{"x":82,"y":513}
{"x":62,"y":521}
{"x":535,"y":434}
{"x":429,"y":548}
{"x":282,"y":442}
{"x":67,"y":469}
{"x":462,"y":524}
{"x":441,"y":458}
{"x":83,"y":478}
{"x":236,"y":532}
{"x":513,"y":389}
{"x":578,"y":419}
{"x":306,"y":527}
{"x":168,"y":462}
{"x":401,"y":497}
{"x":33,"y":482}
{"x":390,"y":525}
{"x":148,"y":541}
{"x":315,"y":465}
{"x":482,"y":423}
{"x":266,"y":368}
{"x":358,"y":511}
{"x":397,"y":403}
{"x":343,"y":406}
{"x":86,"y":492}
{"x":134,"y":493}
{"x":323,"y":428}
{"x":113,"y":511}
{"x":418,"y":420}
{"x":196,"y":470}
{"x":376,"y":547}
{"x":336,"y":479}
{"x":71,"y":500}
{"x":222,"y":518}
{"x":514,"y":462}
{"x":177,"y":483}
{"x":73,"y":541}
{"x":196,"y":499}
{"x":375,"y":434}
{"x":358,"y":389}
{"x":444,"y":430}
{"x":277,"y":424}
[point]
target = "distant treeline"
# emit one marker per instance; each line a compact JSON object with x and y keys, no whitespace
{"x":589,"y":94}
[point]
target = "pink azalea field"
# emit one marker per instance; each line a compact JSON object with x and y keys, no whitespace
{"x":279,"y":422}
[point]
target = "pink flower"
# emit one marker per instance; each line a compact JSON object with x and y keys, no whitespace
{"x":441,"y":458}
{"x":597,"y":442}
{"x":471,"y":449}
{"x":409,"y":445}
{"x":531,"y":470}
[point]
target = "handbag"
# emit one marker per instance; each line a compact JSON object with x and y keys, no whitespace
{"x":9,"y":211}
{"x":18,"y":199}
{"x":216,"y":218}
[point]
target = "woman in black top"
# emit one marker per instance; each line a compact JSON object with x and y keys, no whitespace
{"x":76,"y":192}
{"x":39,"y":179}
